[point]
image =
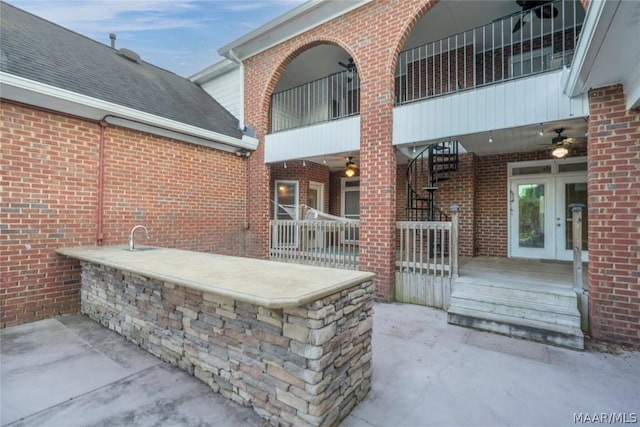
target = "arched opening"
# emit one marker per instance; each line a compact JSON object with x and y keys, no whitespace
{"x":318,"y":85}
{"x":314,"y":170}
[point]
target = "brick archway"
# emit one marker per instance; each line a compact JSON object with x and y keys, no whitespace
{"x":373,"y":35}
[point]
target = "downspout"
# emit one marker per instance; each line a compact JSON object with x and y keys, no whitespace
{"x":237,"y":60}
{"x":241,"y":125}
{"x":100,"y":210}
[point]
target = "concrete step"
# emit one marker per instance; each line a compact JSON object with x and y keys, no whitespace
{"x":546,"y":314}
{"x":520,"y":292}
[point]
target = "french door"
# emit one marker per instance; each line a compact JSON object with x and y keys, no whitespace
{"x":315,"y":200}
{"x":540,"y":219}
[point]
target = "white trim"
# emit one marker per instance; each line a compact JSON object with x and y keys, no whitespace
{"x":551,"y":179}
{"x":345,"y":189}
{"x":319,"y":187}
{"x":43,"y":95}
{"x":213,"y":71}
{"x":285,"y":27}
{"x":594,"y":30}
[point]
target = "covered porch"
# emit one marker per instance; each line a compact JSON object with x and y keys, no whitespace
{"x":538,"y":299}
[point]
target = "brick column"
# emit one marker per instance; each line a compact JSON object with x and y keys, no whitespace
{"x":378,"y":185}
{"x":614,"y":200}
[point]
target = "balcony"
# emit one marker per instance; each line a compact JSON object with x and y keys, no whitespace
{"x":329,"y":98}
{"x":512,"y":47}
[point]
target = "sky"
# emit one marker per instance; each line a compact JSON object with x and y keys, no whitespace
{"x":182,"y":36}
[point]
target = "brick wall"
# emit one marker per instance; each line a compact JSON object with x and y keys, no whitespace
{"x":304,"y":174}
{"x":614,"y":217}
{"x":189,"y":197}
{"x":373,"y":35}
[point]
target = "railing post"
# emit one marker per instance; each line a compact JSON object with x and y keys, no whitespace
{"x":581,"y":289}
{"x":455,"y":209}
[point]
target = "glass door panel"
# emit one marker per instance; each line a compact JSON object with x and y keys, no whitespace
{"x":315,"y":200}
{"x":531,"y":213}
{"x":571,"y":190}
{"x":286,"y":208}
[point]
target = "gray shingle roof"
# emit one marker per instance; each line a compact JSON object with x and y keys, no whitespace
{"x":39,"y":50}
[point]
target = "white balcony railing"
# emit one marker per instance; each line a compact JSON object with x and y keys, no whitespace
{"x":502,"y":50}
{"x":516,"y":46}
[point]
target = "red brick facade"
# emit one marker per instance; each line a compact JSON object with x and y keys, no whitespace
{"x":189,"y":197}
{"x":202,"y":199}
{"x":374,"y":47}
{"x":614,"y":217}
{"x":373,"y":35}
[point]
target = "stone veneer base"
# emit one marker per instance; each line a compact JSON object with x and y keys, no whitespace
{"x":307,"y":365}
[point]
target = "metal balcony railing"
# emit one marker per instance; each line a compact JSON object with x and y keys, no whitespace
{"x":329,"y":98}
{"x":516,"y":46}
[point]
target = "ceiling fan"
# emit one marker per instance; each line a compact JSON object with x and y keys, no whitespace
{"x":350,"y":66}
{"x":350,"y":167}
{"x":562,"y":143}
{"x":542,"y":8}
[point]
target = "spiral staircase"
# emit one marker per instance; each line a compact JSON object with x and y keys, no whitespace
{"x":433,"y":165}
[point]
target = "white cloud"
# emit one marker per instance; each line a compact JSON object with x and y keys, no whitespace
{"x":97,"y":17}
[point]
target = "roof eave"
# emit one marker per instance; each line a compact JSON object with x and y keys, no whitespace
{"x":608,"y":34}
{"x":297,"y":21}
{"x":213,"y":71}
{"x":42,"y":95}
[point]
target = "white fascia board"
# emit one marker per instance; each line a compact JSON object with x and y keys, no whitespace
{"x":596,"y":24}
{"x":293,"y":23}
{"x":43,"y":95}
{"x":215,"y":70}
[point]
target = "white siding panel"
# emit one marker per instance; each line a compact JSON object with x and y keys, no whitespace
{"x":226,"y":90}
{"x":521,"y":102}
{"x":326,"y":138}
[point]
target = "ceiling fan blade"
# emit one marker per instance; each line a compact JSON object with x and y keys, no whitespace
{"x":343,"y":64}
{"x":517,"y":26}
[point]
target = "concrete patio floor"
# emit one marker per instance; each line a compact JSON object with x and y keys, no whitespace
{"x":70,"y":371}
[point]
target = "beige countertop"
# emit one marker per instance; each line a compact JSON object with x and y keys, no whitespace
{"x":266,"y":283}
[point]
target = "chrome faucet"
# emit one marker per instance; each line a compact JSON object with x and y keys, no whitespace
{"x":133,"y":230}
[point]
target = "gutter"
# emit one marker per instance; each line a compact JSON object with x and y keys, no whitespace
{"x":597,"y":22}
{"x":43,"y":95}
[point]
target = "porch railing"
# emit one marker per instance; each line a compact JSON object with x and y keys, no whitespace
{"x":333,"y":97}
{"x":323,"y":243}
{"x":427,"y":261}
{"x":516,"y":46}
{"x":426,"y":253}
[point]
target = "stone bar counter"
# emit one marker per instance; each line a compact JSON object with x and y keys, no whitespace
{"x":292,"y":341}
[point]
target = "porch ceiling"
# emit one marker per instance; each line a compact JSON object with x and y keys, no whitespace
{"x":515,"y":140}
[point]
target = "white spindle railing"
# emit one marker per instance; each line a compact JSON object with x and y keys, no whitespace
{"x":324,"y":243}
